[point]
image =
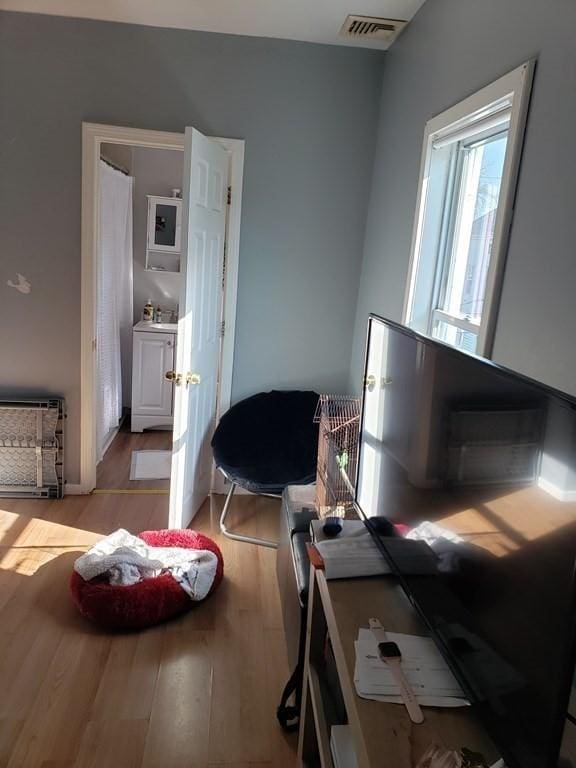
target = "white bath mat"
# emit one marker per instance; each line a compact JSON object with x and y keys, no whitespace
{"x":150,"y":465}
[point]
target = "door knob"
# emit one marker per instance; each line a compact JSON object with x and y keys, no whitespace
{"x":192,"y":378}
{"x":370,"y":382}
{"x":173,"y":377}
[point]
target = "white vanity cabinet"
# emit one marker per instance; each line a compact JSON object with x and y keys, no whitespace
{"x":154,"y":347}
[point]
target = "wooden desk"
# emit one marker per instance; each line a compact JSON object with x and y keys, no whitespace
{"x":383,"y":734}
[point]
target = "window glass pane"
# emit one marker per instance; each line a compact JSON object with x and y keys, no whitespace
{"x":456,"y":337}
{"x":474,"y":220}
{"x":436,"y":188}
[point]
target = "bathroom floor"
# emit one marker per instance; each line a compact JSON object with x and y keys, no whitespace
{"x":113,"y":472}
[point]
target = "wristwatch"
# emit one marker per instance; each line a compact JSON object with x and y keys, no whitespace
{"x":391,"y":655}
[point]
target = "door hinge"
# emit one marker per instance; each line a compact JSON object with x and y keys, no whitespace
{"x":229,"y":195}
{"x":222,"y":328}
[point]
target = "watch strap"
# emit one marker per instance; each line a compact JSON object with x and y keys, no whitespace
{"x":408,"y":696}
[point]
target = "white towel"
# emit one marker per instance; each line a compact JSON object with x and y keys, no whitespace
{"x":126,"y":559}
{"x":432,"y":533}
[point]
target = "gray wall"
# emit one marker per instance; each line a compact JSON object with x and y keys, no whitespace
{"x":156,"y":172}
{"x":451,"y":49}
{"x":308,"y":114}
{"x":118,"y":154}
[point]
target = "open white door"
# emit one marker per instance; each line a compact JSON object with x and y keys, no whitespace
{"x":205,"y":182}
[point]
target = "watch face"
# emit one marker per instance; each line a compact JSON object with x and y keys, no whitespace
{"x":389,"y":651}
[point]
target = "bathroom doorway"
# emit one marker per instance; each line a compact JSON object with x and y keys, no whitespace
{"x":153,"y":162}
{"x":138,"y":288}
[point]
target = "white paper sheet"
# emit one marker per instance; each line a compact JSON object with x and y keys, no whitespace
{"x":431,"y":680}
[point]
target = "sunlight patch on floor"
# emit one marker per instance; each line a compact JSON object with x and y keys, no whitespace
{"x":506,"y":523}
{"x":28,"y":542}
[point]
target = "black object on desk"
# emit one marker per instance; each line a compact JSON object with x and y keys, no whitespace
{"x":332,"y":526}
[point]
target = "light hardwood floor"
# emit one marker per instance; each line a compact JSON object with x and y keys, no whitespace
{"x":113,"y":472}
{"x":200,"y":691}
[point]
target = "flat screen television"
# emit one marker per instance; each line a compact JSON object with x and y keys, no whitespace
{"x":490,"y":456}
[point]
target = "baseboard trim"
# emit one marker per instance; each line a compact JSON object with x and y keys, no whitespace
{"x":558,"y":493}
{"x":76,"y":489}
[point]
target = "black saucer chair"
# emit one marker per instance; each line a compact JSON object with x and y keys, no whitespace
{"x":265,"y":443}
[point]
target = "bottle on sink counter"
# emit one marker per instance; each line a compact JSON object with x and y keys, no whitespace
{"x":158,"y":315}
{"x":148,"y":313}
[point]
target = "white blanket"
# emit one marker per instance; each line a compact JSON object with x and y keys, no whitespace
{"x":432,"y":533}
{"x":126,"y":559}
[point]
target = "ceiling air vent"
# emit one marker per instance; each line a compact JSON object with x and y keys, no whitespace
{"x":372,"y":28}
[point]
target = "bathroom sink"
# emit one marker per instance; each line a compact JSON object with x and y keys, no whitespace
{"x":156,"y":327}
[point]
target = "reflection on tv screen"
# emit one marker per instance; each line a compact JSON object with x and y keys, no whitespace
{"x":490,"y":458}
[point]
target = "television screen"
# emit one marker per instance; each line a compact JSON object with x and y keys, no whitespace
{"x":487,"y":459}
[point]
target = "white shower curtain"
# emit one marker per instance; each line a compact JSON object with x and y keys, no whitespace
{"x":114,"y":279}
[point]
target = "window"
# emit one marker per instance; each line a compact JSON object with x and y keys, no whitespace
{"x":468,"y":176}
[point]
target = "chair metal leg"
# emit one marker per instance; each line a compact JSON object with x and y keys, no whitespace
{"x":238,"y":536}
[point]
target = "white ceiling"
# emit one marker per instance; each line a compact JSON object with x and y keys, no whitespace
{"x":315,"y":21}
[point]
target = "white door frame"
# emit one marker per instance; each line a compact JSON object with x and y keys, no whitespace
{"x":93,"y":136}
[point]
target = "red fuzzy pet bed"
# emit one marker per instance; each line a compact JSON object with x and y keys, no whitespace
{"x":149,"y":601}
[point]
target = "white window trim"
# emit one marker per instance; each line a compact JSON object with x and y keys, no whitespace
{"x":516,"y":85}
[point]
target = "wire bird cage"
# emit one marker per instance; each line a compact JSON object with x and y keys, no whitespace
{"x":339,"y":420}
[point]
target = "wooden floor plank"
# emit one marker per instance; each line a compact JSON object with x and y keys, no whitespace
{"x":238,"y":713}
{"x":113,"y":744}
{"x":128,"y":683}
{"x":180,"y":720}
{"x":269,"y":595}
{"x":10,"y":728}
{"x":23,"y":668}
{"x":283,"y":745}
{"x":239,"y":765}
{"x":56,"y":722}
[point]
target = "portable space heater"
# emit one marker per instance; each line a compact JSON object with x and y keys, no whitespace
{"x":32,"y":447}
